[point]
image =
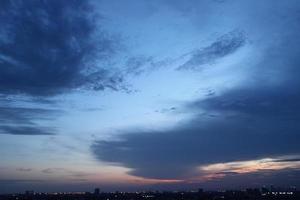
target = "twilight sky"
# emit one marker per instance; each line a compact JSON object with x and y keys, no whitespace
{"x":137,"y":94}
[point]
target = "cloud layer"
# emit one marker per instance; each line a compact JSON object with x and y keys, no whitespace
{"x":48,"y":47}
{"x":253,"y":128}
{"x":254,"y":119}
{"x":238,"y":125}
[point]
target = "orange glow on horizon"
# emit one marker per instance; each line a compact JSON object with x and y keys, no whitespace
{"x":219,"y":170}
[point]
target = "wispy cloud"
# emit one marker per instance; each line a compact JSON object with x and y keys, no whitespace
{"x":66,"y":172}
{"x":224,"y":46}
{"x":23,"y":120}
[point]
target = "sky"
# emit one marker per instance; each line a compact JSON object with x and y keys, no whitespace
{"x":149,"y":95}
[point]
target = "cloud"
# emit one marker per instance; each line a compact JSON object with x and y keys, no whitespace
{"x":139,"y":64}
{"x":166,"y":110}
{"x":227,"y":173}
{"x":24,"y":120}
{"x":225,"y":45}
{"x":49,"y":47}
{"x":288,"y":160}
{"x":24,"y":169}
{"x":254,"y":120}
{"x":257,"y":179}
{"x":26,"y":130}
{"x":249,"y":124}
{"x":67,"y":172}
{"x":16,"y":181}
{"x":25,"y":115}
{"x":51,"y":170}
{"x":176,"y":153}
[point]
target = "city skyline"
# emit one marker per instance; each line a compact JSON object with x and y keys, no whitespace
{"x":249,"y":193}
{"x":160,"y":95}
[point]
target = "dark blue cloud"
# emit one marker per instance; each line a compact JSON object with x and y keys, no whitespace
{"x":26,"y":130}
{"x":46,"y":47}
{"x":25,"y":115}
{"x":49,"y":48}
{"x":288,"y":160}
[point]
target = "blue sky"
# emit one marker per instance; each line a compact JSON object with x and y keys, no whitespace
{"x":130,"y":95}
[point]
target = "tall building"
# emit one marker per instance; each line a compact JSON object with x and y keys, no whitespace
{"x":97,"y":191}
{"x":200,"y":191}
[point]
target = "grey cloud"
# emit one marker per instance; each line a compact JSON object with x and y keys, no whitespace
{"x":288,"y":160}
{"x":70,"y":173}
{"x":223,"y":46}
{"x":51,"y":170}
{"x":21,"y":169}
{"x":48,"y":47}
{"x":15,"y":181}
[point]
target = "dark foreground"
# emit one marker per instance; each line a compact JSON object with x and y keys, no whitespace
{"x":251,"y":194}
